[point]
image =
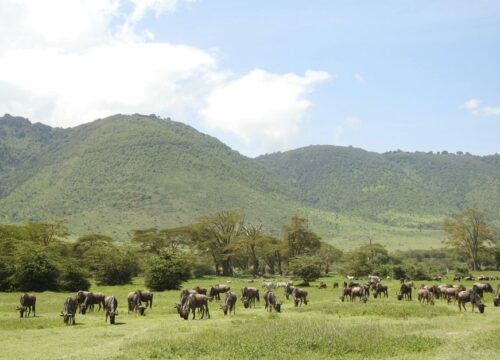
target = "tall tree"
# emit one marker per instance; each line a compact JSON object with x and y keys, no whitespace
{"x":468,"y":233}
{"x":301,"y":241}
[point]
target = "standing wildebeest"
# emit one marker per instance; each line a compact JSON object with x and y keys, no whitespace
{"x":496,"y":300}
{"x":69,"y":311}
{"x":470,"y":296}
{"x":229,"y":303}
{"x":135,"y":304}
{"x":450,"y":293}
{"x":299,"y":296}
{"x":28,"y":303}
{"x":216,"y":290}
{"x":335,"y":285}
{"x":358,"y":291}
{"x":346,"y":292}
{"x":483,"y":287}
{"x":147,"y":297}
{"x":200,"y":290}
{"x":90,"y":300}
{"x":80,"y":298}
{"x":434,"y":290}
{"x":249,"y":295}
{"x":425,"y":295}
{"x":380,"y":289}
{"x":288,"y":290}
{"x":271,"y":302}
{"x":111,"y":308}
{"x":405,"y":292}
{"x":191,"y":303}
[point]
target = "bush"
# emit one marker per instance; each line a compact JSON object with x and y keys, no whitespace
{"x":307,"y":268}
{"x":115,"y":268}
{"x":6,"y":271}
{"x":168,"y":271}
{"x":35,"y":271}
{"x":73,"y":279}
{"x":202,"y":269}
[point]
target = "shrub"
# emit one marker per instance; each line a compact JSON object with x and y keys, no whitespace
{"x":6,"y":271}
{"x":168,"y":271}
{"x":35,"y":271}
{"x":73,"y":279}
{"x":202,"y":269}
{"x":307,"y":268}
{"x":115,"y":268}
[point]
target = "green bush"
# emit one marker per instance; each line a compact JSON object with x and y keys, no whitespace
{"x":168,"y":271}
{"x":35,"y":271}
{"x":307,"y":268}
{"x":6,"y":271}
{"x":202,"y":269}
{"x":115,"y":268}
{"x":73,"y":279}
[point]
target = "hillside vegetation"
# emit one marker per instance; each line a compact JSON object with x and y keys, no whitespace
{"x":132,"y":171}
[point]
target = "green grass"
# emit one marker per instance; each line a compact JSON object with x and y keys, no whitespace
{"x":326,"y":328}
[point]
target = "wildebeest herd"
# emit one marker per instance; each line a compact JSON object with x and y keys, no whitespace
{"x":198,"y":299}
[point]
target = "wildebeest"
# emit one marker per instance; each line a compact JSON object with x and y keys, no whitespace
{"x":288,"y":290}
{"x":483,"y":287}
{"x":80,"y":298}
{"x":299,"y":296}
{"x":496,"y":300}
{"x":111,"y":308}
{"x":346,"y":292}
{"x":135,"y":304}
{"x":434,"y":290}
{"x":283,"y":284}
{"x":200,"y":290}
{"x":248,"y":296}
{"x":216,"y":290}
{"x":69,"y":311}
{"x":90,"y":300}
{"x":450,"y":293}
{"x":424,"y":294}
{"x":469,"y":278}
{"x":271,"y":302}
{"x":380,"y":289}
{"x":358,"y":291}
{"x":28,"y":303}
{"x":229,"y":303}
{"x":147,"y":297}
{"x":457,"y":278}
{"x":405,"y":292}
{"x":470,"y":296}
{"x":335,"y":285}
{"x":191,"y":303}
{"x":322,"y":285}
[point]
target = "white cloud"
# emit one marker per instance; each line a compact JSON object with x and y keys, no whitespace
{"x":475,"y":108}
{"x":262,"y":106}
{"x":349,"y":123}
{"x":359,"y":78}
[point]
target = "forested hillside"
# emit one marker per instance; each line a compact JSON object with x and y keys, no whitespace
{"x":127,"y":172}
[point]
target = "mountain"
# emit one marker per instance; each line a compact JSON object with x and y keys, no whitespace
{"x":389,"y":186}
{"x":127,"y":172}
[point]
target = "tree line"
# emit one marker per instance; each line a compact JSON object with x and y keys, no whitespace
{"x":39,"y":256}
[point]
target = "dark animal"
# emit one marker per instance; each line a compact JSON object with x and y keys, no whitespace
{"x":470,"y":296}
{"x":90,"y":300}
{"x":346,"y":292}
{"x":405,"y":292}
{"x":147,"y":297}
{"x":200,"y":290}
{"x":458,"y":278}
{"x":380,"y":289}
{"x":424,"y":294}
{"x":193,"y":302}
{"x":358,"y":291}
{"x":288,"y":290}
{"x":229,"y":303}
{"x":248,"y":296}
{"x":80,"y":298}
{"x":496,"y":300}
{"x":335,"y":285}
{"x":299,"y":296}
{"x":216,"y":290}
{"x":482,"y":288}
{"x":135,"y":304}
{"x":69,"y":311}
{"x":469,"y":278}
{"x":434,"y":290}
{"x":271,"y":302}
{"x":28,"y":303}
{"x":322,"y":285}
{"x":450,"y":293}
{"x":111,"y":308}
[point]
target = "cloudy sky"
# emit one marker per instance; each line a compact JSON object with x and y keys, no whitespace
{"x":263,"y":75}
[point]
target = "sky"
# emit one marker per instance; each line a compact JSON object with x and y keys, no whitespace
{"x":260,"y":75}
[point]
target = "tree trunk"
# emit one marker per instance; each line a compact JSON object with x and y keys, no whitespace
{"x":227,"y":269}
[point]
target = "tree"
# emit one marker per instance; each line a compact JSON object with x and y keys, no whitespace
{"x":46,"y":233}
{"x":363,"y":260}
{"x":35,"y":271}
{"x":468,"y":234}
{"x":73,"y":278}
{"x":307,"y":268}
{"x":154,"y":241}
{"x":300,"y":240}
{"x":328,"y":254}
{"x":253,"y":241}
{"x":168,"y":271}
{"x":115,"y":268}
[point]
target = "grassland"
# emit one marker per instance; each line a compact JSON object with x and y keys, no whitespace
{"x":326,"y":328}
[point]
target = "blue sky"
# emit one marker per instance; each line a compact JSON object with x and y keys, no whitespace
{"x":265,"y":76}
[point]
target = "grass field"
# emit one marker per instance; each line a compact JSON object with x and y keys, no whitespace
{"x":326,"y":328}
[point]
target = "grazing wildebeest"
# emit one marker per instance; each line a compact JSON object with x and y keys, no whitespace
{"x":283,"y":284}
{"x":335,"y":285}
{"x":469,"y":278}
{"x":28,"y":303}
{"x":424,"y":294}
{"x":271,"y":302}
{"x":458,"y":278}
{"x":358,"y":291}
{"x":434,"y":290}
{"x":69,"y":311}
{"x":249,"y":295}
{"x":496,"y":300}
{"x":299,"y":296}
{"x":460,"y":287}
{"x":216,"y":290}
{"x":322,"y":285}
{"x":405,"y":292}
{"x":267,"y":285}
{"x":90,"y":300}
{"x":380,"y":289}
{"x":135,"y":304}
{"x":80,"y":298}
{"x":288,"y":290}
{"x":193,"y":302}
{"x":450,"y":293}
{"x":229,"y":303}
{"x":373,"y":279}
{"x":111,"y":308}
{"x":200,"y":290}
{"x":346,"y":292}
{"x":470,"y":296}
{"x":483,"y":287}
{"x":147,"y":297}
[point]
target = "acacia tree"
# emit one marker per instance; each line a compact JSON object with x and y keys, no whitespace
{"x":301,"y":241}
{"x":252,"y":241}
{"x":468,"y":234}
